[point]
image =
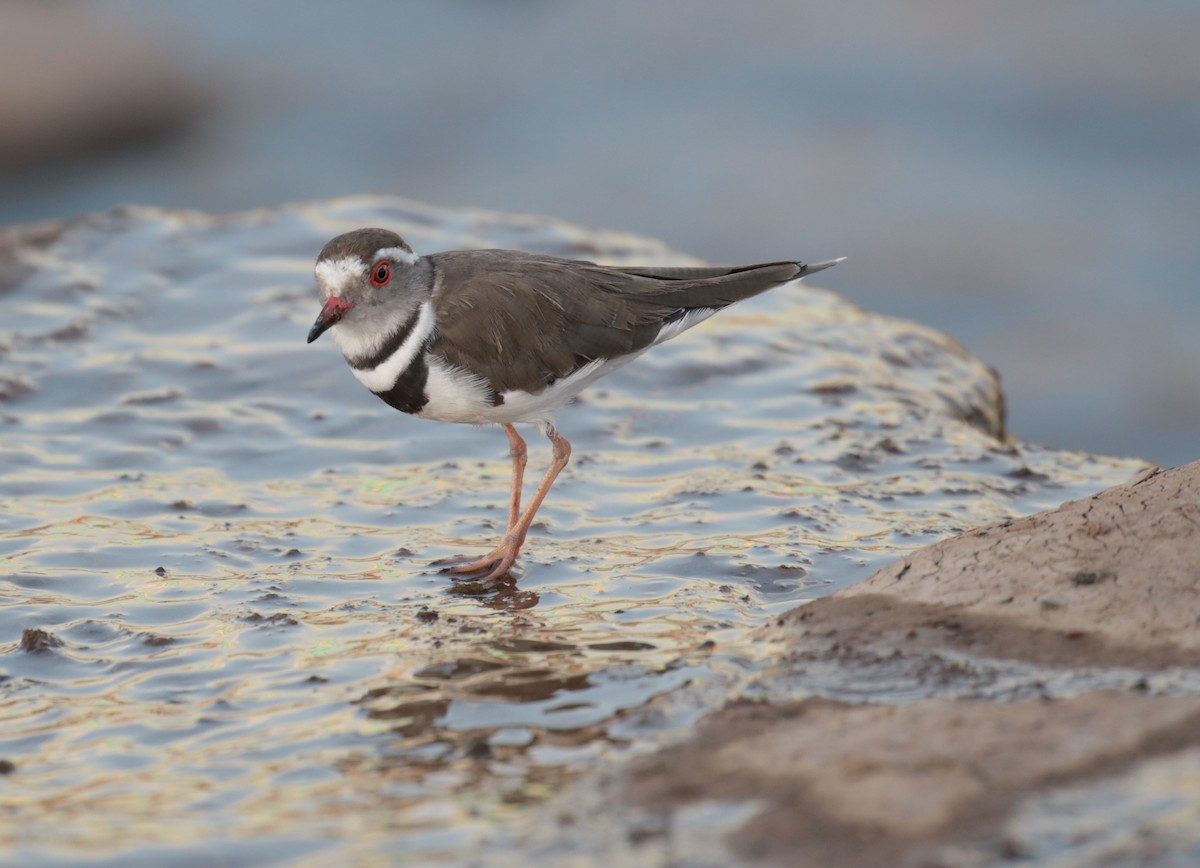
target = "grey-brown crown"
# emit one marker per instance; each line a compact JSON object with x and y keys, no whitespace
{"x":363,"y":244}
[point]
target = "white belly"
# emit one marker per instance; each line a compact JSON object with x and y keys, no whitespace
{"x":455,"y":395}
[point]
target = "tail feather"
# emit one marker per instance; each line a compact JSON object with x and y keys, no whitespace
{"x":813,"y":267}
{"x":712,"y":272}
{"x":714,"y":287}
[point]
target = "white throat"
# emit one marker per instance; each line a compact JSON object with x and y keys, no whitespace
{"x":355,"y":344}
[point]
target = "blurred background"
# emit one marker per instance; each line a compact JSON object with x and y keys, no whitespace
{"x":1023,"y":176}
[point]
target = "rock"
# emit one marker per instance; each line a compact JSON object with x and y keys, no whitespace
{"x":1114,"y":576}
{"x":913,"y":779}
{"x":1108,"y":581}
{"x":865,"y":785}
{"x":73,"y":82}
{"x":37,"y":641}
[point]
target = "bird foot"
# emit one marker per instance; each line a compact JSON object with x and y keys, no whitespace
{"x":493,"y":565}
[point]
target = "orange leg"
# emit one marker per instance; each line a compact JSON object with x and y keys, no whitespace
{"x":519,"y":453}
{"x":500,"y":560}
{"x":516,"y":448}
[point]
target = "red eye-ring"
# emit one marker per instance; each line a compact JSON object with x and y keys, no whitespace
{"x":382,"y":273}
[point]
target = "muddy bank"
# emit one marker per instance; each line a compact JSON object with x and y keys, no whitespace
{"x":1119,"y":568}
{"x":1028,"y":691}
{"x":863,"y":785}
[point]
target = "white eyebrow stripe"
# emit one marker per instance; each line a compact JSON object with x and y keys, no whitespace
{"x":396,"y":254}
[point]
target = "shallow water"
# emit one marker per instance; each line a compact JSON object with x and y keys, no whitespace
{"x":220,"y":630}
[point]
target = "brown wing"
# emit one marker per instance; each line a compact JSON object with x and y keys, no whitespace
{"x":524,"y":321}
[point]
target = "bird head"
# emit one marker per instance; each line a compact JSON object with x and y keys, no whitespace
{"x":365,"y":280}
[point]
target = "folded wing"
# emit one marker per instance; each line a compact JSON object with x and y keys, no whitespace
{"x":525,"y":321}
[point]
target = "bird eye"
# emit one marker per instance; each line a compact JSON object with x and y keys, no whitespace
{"x":382,"y":273}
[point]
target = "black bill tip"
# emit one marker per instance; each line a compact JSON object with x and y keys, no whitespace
{"x":331,"y":312}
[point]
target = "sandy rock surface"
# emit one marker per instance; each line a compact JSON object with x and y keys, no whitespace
{"x":1120,"y":568}
{"x":1026,"y":691}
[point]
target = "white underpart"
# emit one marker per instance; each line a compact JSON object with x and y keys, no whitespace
{"x":334,"y":274}
{"x":396,"y":254}
{"x":383,"y":376}
{"x":685,"y":322}
{"x":456,"y":395}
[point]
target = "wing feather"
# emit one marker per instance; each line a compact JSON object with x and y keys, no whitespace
{"x":524,"y":321}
